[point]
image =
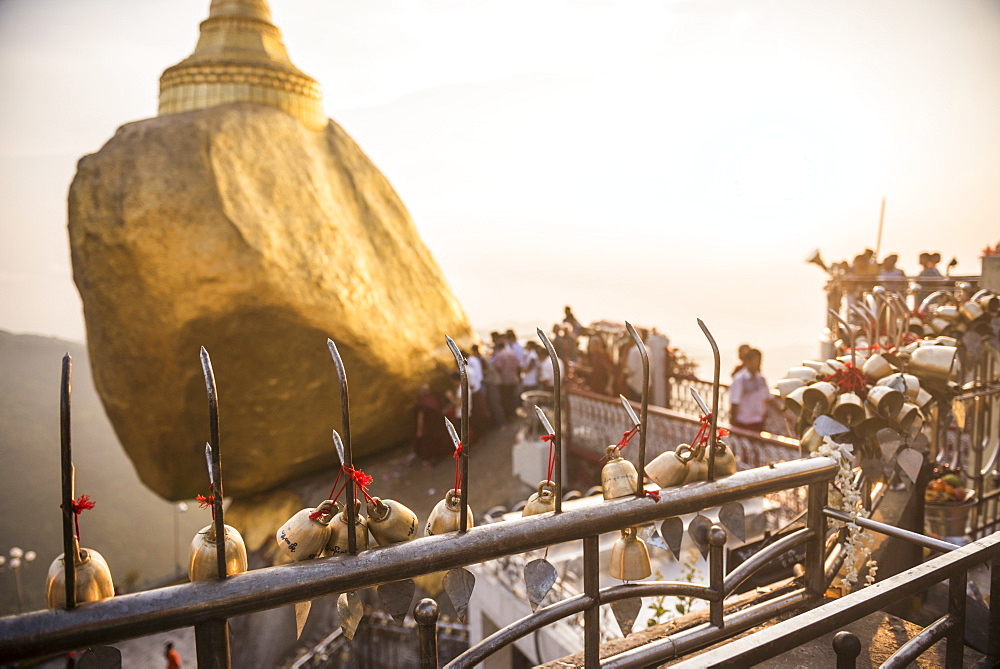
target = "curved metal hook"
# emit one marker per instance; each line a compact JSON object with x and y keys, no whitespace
{"x":714,"y":421}
{"x":930,"y":299}
{"x":463,"y":374}
{"x":215,"y":466}
{"x":557,"y":413}
{"x":71,"y":549}
{"x":644,"y":410}
{"x":850,"y":334}
{"x":347,"y":457}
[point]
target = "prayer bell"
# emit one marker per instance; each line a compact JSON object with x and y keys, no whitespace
{"x":819,"y":397}
{"x":725,"y":461}
{"x":303,"y":537}
{"x":786,"y":386}
{"x":391,"y":522}
{"x":338,"y":544}
{"x":93,"y":580}
{"x":542,"y":501}
{"x":885,"y":400}
{"x":697,"y":469}
{"x":629,"y":557}
{"x":933,"y":363}
{"x":670,"y":468}
{"x":848,"y":409}
{"x":618,"y":477}
{"x":876,"y":367}
{"x":446,"y":516}
{"x":203,"y":564}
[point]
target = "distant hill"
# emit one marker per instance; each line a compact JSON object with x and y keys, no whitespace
{"x":131,"y":526}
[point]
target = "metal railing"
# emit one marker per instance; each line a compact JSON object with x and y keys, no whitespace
{"x":208,"y":602}
{"x":779,"y":638}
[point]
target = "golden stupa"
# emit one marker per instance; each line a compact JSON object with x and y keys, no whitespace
{"x":240,"y":57}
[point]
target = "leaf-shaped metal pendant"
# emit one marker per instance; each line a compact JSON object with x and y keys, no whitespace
{"x":101,"y":657}
{"x":626,"y":611}
{"x":459,"y":583}
{"x":301,"y":616}
{"x":827,"y":427}
{"x":733,"y":518}
{"x":672,"y":531}
{"x":396,"y":597}
{"x":351,"y":611}
{"x":698,"y":531}
{"x":889,"y":442}
{"x":539,"y":577}
{"x":873,"y":469}
{"x":910,"y":461}
{"x":648,"y":533}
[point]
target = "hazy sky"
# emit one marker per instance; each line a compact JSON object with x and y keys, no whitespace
{"x":650,"y":161}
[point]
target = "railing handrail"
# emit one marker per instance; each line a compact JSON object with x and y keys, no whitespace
{"x":805,"y":627}
{"x":161,"y":610}
{"x":772,"y":439}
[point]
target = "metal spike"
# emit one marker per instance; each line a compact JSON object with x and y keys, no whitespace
{"x":672,"y":531}
{"x":713,"y":432}
{"x":640,"y":465}
{"x":396,"y":597}
{"x":70,"y":545}
{"x":459,"y":583}
{"x":451,"y":431}
{"x":557,"y":414}
{"x":347,"y":458}
{"x":463,"y":374}
{"x":733,"y":518}
{"x":350,"y":611}
{"x":539,"y":577}
{"x":338,"y":444}
{"x":545,"y":420}
{"x":208,"y":463}
{"x":629,"y":410}
{"x":626,"y":611}
{"x":700,"y":402}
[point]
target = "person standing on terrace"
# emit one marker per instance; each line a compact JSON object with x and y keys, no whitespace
{"x":749,"y":395}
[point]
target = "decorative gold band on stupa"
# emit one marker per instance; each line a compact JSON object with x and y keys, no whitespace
{"x":240,"y":57}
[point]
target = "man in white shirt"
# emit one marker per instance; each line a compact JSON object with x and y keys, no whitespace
{"x":749,"y":395}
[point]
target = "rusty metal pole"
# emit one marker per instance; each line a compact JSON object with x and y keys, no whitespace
{"x":993,"y":642}
{"x":713,"y":432}
{"x":345,"y":429}
{"x":426,"y":615}
{"x":212,"y":644}
{"x":816,"y":548}
{"x":644,"y":411}
{"x":955,"y":648}
{"x":464,"y":458}
{"x":212,"y":636}
{"x":716,"y":577}
{"x":592,"y":589}
{"x":70,"y":546}
{"x":557,"y":411}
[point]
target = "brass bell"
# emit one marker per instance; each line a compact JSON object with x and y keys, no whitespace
{"x":725,"y":460}
{"x":338,"y":544}
{"x":303,"y":537}
{"x":885,"y":400}
{"x":670,"y":468}
{"x":697,"y":469}
{"x":542,"y":501}
{"x":786,"y":386}
{"x":848,"y":409}
{"x":933,"y":363}
{"x":618,"y":477}
{"x":811,"y":440}
{"x":446,"y":516}
{"x":629,"y":557}
{"x":203,"y":564}
{"x":819,"y":397}
{"x":876,"y":367}
{"x":391,"y":522}
{"x":93,"y":580}
{"x":794,"y":401}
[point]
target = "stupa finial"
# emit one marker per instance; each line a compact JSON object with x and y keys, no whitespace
{"x":240,"y":57}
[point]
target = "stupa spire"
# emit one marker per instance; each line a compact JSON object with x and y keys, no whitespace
{"x":240,"y":57}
